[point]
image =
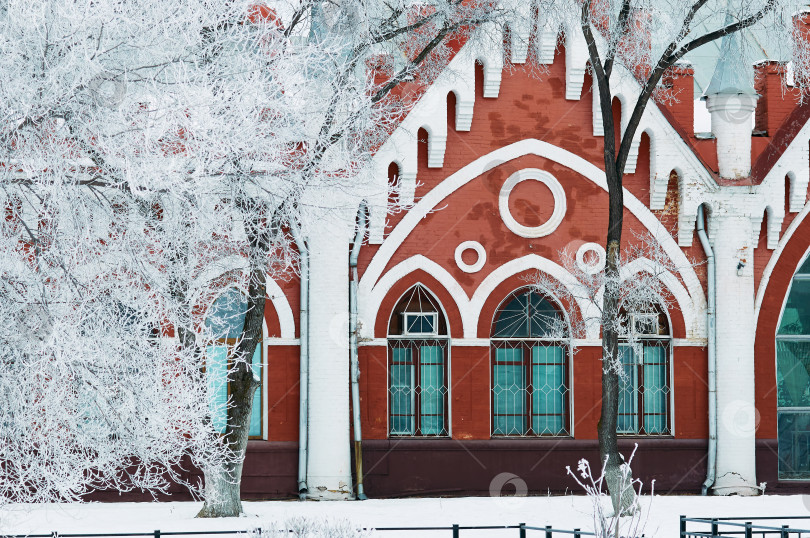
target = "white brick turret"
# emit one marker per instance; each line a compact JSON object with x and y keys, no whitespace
{"x":731,"y":101}
{"x":732,"y":116}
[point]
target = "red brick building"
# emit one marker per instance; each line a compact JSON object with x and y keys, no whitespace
{"x":460,"y":382}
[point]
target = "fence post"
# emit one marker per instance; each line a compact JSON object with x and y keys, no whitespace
{"x":714,"y":527}
{"x":522,"y":531}
{"x":748,"y":532}
{"x":683,"y":526}
{"x":785,"y":531}
{"x":548,"y":531}
{"x":576,"y":533}
{"x":157,"y":533}
{"x":455,"y":530}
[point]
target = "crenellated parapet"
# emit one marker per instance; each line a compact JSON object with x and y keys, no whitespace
{"x":674,"y":147}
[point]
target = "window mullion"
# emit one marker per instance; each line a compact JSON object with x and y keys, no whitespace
{"x":416,"y":389}
{"x":528,"y":384}
{"x":640,"y":388}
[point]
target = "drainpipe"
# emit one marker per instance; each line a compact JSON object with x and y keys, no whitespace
{"x":355,"y":363}
{"x":712,"y":456}
{"x":303,"y":410}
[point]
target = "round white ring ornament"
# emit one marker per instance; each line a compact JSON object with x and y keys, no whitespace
{"x":471,"y":267}
{"x":591,"y":268}
{"x":560,"y":206}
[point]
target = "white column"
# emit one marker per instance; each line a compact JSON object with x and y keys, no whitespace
{"x":737,"y":418}
{"x":329,"y":459}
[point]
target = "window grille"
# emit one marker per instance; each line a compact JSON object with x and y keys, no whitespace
{"x":417,"y":367}
{"x":793,"y":379}
{"x":644,"y":383}
{"x":530,"y":374}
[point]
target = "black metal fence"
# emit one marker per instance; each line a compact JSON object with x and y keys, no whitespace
{"x":522,"y":531}
{"x":690,"y":527}
{"x":702,"y":527}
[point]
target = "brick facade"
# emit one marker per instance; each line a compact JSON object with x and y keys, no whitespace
{"x":471,"y":131}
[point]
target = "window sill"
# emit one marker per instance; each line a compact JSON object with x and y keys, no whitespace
{"x":645,"y":436}
{"x":515,"y":437}
{"x":419,"y":437}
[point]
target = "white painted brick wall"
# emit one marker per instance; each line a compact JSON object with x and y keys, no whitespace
{"x":329,"y":461}
{"x":736,"y":414}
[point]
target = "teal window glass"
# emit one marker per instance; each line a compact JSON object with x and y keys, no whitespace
{"x":796,"y":315}
{"x":509,"y":392}
{"x":421,"y":323}
{"x":417,"y":366}
{"x":417,"y":387}
{"x":216,"y":375}
{"x":656,"y":392}
{"x":528,"y":314}
{"x":256,"y":411}
{"x":431,"y":386}
{"x":548,"y":389}
{"x":644,"y":388}
{"x":627,"y":420}
{"x":529,"y":367}
{"x":225,"y":320}
{"x":401,"y":391}
{"x":793,"y":379}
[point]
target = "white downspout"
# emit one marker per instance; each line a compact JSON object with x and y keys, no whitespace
{"x":303,"y":410}
{"x":710,"y":329}
{"x":355,"y":362}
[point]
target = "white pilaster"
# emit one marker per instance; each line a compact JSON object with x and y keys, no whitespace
{"x":737,"y":417}
{"x":329,"y":459}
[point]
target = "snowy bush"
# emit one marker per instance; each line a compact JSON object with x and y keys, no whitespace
{"x":309,"y":527}
{"x":612,"y":523}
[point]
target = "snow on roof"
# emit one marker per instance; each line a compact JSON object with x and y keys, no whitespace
{"x":753,"y":43}
{"x":732,"y":74}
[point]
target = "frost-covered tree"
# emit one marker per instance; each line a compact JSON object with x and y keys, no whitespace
{"x":642,"y":39}
{"x":153,"y":154}
{"x":645,"y":271}
{"x":347,"y":72}
{"x":96,"y":392}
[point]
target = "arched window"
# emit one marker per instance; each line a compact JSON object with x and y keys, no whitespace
{"x":644,"y":386}
{"x":225,"y":320}
{"x":530,"y":366}
{"x":417,"y":366}
{"x":793,"y":379}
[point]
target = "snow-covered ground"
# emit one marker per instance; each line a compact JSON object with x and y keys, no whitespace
{"x":561,"y":512}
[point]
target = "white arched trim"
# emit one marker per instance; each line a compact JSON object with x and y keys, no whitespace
{"x":777,"y":253}
{"x":531,"y":146}
{"x":286,"y":320}
{"x":470,"y":309}
{"x":513,"y":267}
{"x":369,"y":304}
{"x":274,"y":293}
{"x":694,"y":322}
{"x":429,"y":291}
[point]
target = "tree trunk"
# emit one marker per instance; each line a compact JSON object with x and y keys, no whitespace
{"x":619,"y":481}
{"x":223,"y":484}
